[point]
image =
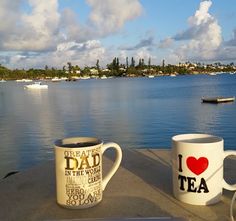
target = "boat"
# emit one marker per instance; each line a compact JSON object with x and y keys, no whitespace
{"x":213,"y":73}
{"x":84,"y":77}
{"x":151,"y":76}
{"x":217,"y":99}
{"x":56,"y":79}
{"x":2,"y":81}
{"x":36,"y":85}
{"x":24,"y":80}
{"x":103,"y":77}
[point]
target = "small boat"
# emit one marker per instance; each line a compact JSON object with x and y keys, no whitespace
{"x":56,"y":79}
{"x":151,"y":76}
{"x":217,"y":99}
{"x":36,"y":85}
{"x":85,"y":77}
{"x":213,"y":74}
{"x":24,"y":80}
{"x":103,"y":77}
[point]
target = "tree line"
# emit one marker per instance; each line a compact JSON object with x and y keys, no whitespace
{"x":115,"y":68}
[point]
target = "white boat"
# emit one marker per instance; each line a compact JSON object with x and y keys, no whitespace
{"x":85,"y":78}
{"x":151,"y":76}
{"x":103,"y":77}
{"x":28,"y":80}
{"x":213,"y":74}
{"x":36,"y":85}
{"x":24,"y":80}
{"x":20,"y":80}
{"x":2,"y":81}
{"x":56,"y":79}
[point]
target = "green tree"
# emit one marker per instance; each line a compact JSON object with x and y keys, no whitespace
{"x":132,"y":62}
{"x":69,"y":67}
{"x":97,"y":65}
{"x":149,"y":62}
{"x":127,"y":62}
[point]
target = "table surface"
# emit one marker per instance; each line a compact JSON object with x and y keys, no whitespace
{"x":142,"y":187}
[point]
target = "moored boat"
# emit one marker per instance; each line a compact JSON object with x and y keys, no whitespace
{"x":36,"y":85}
{"x":56,"y":79}
{"x":103,"y":77}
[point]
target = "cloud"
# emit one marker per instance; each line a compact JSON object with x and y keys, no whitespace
{"x":35,"y":31}
{"x":166,"y":43}
{"x":231,"y":42}
{"x":226,"y":54}
{"x":109,"y":16}
{"x":82,"y":54}
{"x":143,"y":53}
{"x":106,"y":17}
{"x":203,"y":35}
{"x":148,"y":42}
{"x":89,"y":45}
{"x":9,"y":14}
{"x":73,"y":30}
{"x":54,"y":37}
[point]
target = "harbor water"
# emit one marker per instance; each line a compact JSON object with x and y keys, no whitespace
{"x":134,"y":112}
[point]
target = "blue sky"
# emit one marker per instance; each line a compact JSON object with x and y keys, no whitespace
{"x":36,"y":33}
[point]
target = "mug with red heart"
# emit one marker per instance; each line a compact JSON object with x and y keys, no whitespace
{"x":197,"y":167}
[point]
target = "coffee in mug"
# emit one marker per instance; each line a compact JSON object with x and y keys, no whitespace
{"x":79,"y":181}
{"x":197,"y":166}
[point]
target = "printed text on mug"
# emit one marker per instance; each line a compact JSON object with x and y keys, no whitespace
{"x":196,"y":166}
{"x":83,"y":177}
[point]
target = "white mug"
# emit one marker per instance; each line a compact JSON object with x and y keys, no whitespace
{"x":79,"y":181}
{"x":197,"y":166}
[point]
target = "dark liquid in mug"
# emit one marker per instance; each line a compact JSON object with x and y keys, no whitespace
{"x":77,"y":145}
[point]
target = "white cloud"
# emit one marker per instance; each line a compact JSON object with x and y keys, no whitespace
{"x":166,"y":43}
{"x":232,"y":42}
{"x":44,"y":35}
{"x":9,"y":14}
{"x":108,"y":16}
{"x":81,"y":54}
{"x":203,"y":35}
{"x":201,"y":15}
{"x":73,"y":30}
{"x":33,"y":32}
{"x":143,"y":53}
{"x":52,"y":37}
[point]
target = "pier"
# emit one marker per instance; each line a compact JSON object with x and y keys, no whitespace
{"x":142,"y":187}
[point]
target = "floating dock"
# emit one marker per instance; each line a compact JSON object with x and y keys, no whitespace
{"x":217,"y":99}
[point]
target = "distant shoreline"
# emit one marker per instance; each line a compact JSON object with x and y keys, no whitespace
{"x":114,"y":69}
{"x":75,"y":78}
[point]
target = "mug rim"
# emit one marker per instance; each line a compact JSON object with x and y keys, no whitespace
{"x":197,"y":138}
{"x":71,"y":142}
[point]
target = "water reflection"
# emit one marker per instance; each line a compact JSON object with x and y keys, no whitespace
{"x":136,"y":113}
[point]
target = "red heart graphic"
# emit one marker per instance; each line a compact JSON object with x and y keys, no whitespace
{"x":197,"y":166}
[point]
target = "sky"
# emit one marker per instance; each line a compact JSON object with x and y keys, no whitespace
{"x":36,"y":33}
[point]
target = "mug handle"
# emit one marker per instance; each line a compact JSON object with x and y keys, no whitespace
{"x":226,"y":185}
{"x":115,"y":165}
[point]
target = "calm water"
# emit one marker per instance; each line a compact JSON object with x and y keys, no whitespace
{"x":134,"y":112}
